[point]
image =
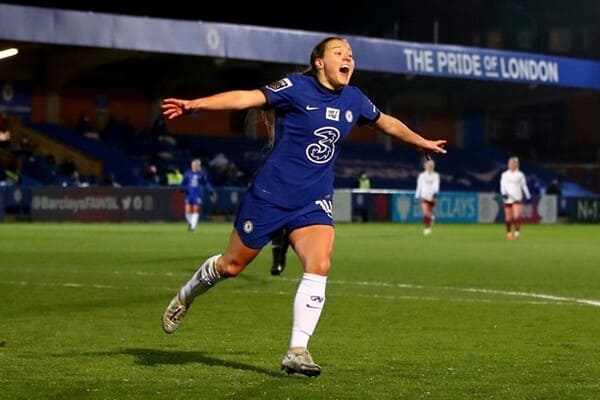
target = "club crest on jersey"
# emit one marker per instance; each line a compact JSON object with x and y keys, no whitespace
{"x":349,"y":116}
{"x":248,"y":226}
{"x":332,"y":114}
{"x":279,"y":85}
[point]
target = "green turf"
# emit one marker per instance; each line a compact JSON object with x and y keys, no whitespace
{"x":462,"y":314}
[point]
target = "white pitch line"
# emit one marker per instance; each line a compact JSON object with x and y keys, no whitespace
{"x":554,"y":298}
{"x":594,"y":303}
{"x":260,"y":292}
{"x":64,"y":284}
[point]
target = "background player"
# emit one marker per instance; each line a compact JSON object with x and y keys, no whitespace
{"x":512,"y":186}
{"x":428,"y":186}
{"x":194,"y":184}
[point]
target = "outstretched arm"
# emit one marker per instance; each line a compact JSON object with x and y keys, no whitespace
{"x":231,"y":100}
{"x":396,"y":128}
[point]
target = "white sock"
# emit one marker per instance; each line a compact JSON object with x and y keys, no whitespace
{"x":205,"y":277}
{"x":308,"y":304}
{"x":194,"y":220}
{"x":188,"y":218}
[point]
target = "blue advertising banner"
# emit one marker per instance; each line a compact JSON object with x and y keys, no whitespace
{"x":476,"y":63}
{"x":53,"y":26}
{"x":15,"y":97}
{"x":538,"y":210}
{"x":450,"y":207}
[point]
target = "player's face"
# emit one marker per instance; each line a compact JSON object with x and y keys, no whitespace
{"x":338,"y":64}
{"x":512,"y":164}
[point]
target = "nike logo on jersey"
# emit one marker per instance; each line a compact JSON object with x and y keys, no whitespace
{"x":311,"y":108}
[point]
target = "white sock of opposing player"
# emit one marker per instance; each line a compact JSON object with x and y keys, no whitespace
{"x":194,"y":220}
{"x":308,"y":304}
{"x":206,"y":277}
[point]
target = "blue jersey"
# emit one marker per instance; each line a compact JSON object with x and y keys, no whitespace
{"x":194,"y":184}
{"x":311,"y":122}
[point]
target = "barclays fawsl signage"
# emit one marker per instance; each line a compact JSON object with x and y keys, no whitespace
{"x":450,"y":207}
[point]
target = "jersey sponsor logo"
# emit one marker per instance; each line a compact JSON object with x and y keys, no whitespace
{"x":327,"y":206}
{"x":349,"y":116}
{"x":311,"y":108}
{"x":323,"y":151}
{"x":279,"y":85}
{"x":248,"y":226}
{"x":332,"y":114}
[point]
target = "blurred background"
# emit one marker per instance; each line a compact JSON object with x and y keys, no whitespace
{"x":80,"y":107}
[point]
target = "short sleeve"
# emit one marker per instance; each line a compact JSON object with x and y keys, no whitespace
{"x":368,"y":110}
{"x":279,"y":93}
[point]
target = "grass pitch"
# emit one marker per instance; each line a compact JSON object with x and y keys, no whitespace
{"x":462,"y":314}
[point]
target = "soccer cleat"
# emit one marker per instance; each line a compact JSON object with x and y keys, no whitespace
{"x":298,"y":360}
{"x":276,"y":269}
{"x":509,"y":236}
{"x":173,"y":315}
{"x":517,"y":234}
{"x":427,"y":231}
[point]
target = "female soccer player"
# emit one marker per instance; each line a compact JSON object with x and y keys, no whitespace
{"x":194,"y":183}
{"x":293,"y":189}
{"x":512,"y":186}
{"x":428,"y":186}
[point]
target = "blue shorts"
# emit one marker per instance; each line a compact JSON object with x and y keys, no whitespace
{"x":193,"y":200}
{"x":257,"y":219}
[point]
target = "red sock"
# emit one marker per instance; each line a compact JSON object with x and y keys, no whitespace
{"x":518,"y":224}
{"x":427,"y":221}
{"x":507,"y":223}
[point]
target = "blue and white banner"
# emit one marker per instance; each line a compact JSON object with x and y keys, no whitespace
{"x":15,"y":97}
{"x":53,"y":26}
{"x":475,"y":63}
{"x":450,"y":207}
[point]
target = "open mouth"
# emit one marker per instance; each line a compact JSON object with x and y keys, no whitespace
{"x":345,"y":70}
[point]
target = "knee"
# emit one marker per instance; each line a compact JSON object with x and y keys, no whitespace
{"x":321,"y":267}
{"x":230,"y":268}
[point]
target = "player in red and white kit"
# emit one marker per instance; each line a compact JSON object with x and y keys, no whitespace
{"x":428,"y":186}
{"x":513,"y":185}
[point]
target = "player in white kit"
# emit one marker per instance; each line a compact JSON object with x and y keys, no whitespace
{"x":513,"y":185}
{"x":428,"y":186}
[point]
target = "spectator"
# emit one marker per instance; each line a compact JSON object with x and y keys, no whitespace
{"x":554,"y":188}
{"x":174,"y":176}
{"x":4,"y":132}
{"x":363,"y":181}
{"x":151,"y":175}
